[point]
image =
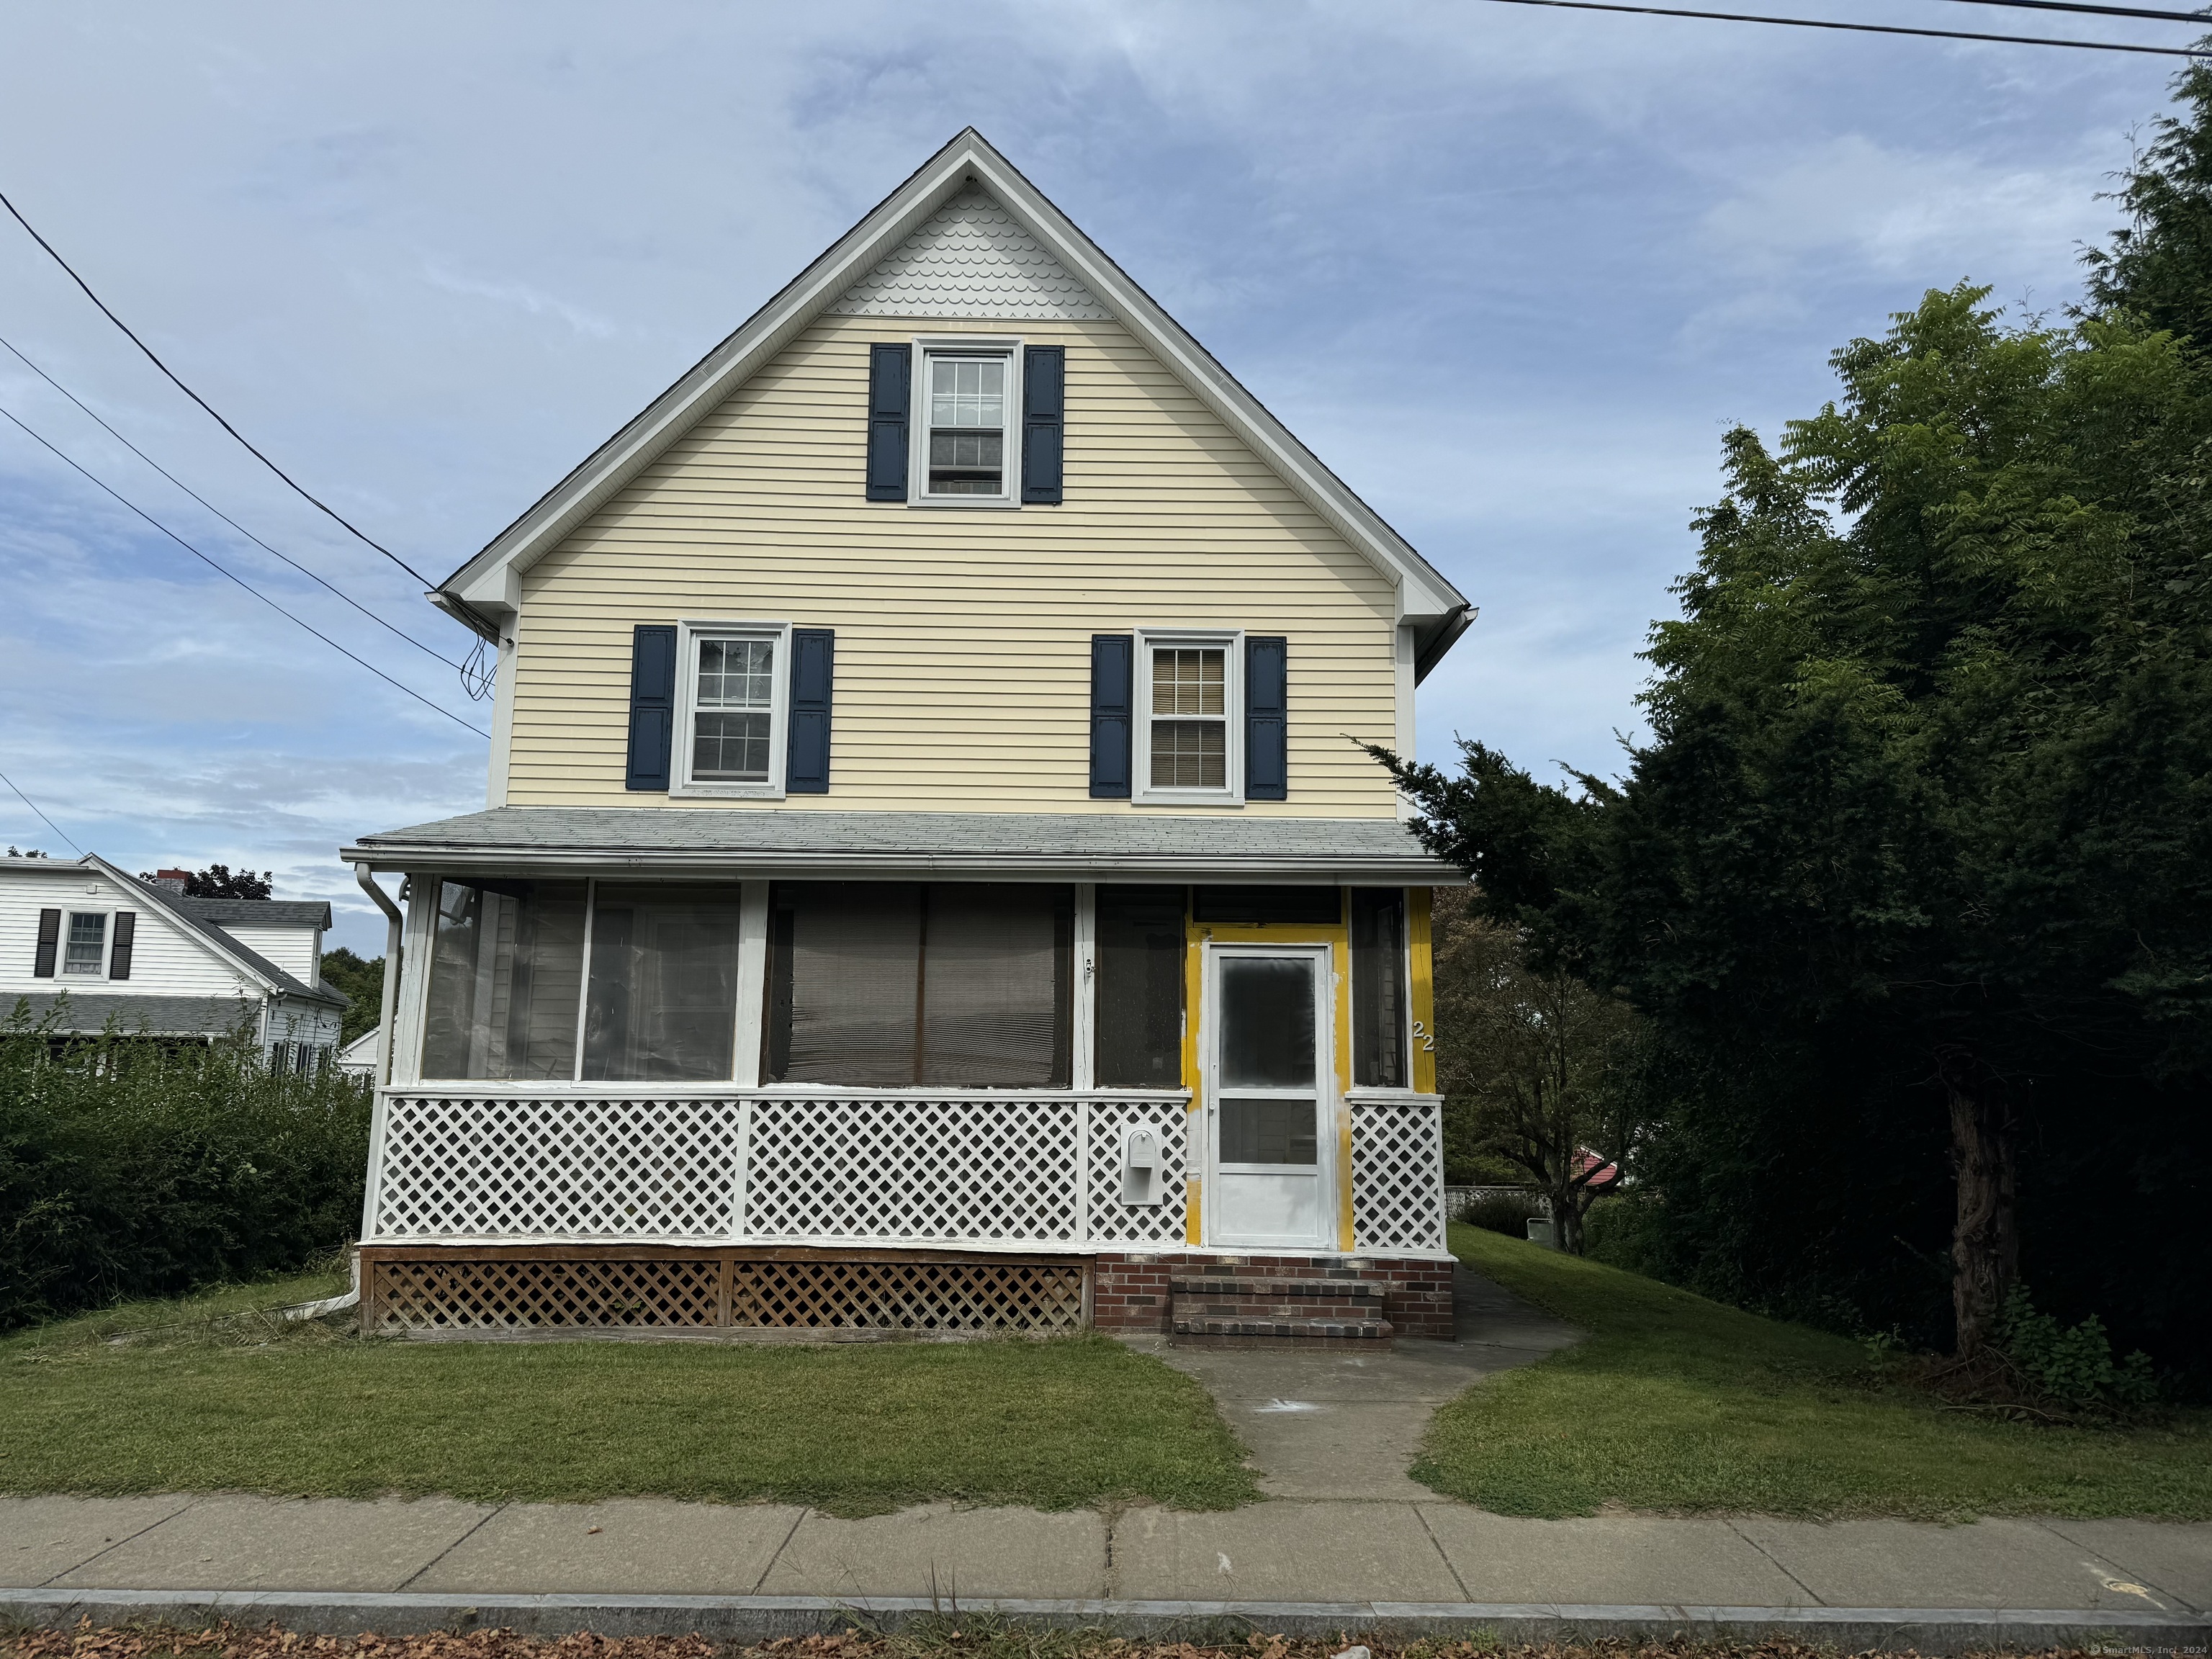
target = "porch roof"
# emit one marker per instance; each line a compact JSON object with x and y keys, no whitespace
{"x":1031,"y":845}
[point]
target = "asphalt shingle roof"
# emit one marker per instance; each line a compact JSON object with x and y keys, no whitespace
{"x":1221,"y":847}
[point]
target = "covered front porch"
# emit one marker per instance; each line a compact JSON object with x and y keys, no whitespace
{"x":759,"y":1088}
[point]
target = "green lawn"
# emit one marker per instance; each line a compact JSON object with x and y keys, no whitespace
{"x":208,"y":1395}
{"x":1676,"y":1403}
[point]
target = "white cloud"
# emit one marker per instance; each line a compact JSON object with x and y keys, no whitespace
{"x":1510,"y":271}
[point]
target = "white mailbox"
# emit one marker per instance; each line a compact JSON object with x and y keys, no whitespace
{"x":1140,"y":1166}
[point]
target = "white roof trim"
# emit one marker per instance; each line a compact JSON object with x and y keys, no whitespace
{"x":488,"y":578}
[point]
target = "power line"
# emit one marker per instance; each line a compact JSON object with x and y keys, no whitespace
{"x":471,"y":616}
{"x":218,"y":511}
{"x":240,"y":581}
{"x":2141,"y":12}
{"x":150,"y":357}
{"x":1863,"y":28}
{"x":35,"y":807}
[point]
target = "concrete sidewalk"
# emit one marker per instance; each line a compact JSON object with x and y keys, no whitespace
{"x":1287,"y":1551}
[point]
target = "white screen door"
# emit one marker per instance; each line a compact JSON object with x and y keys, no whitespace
{"x":1268,"y":1068}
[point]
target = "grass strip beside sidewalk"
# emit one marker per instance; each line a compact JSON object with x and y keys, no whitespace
{"x":1674,"y":1403}
{"x":206,"y":1396}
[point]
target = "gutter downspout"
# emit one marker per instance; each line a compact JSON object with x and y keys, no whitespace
{"x":394,"y":928}
{"x":392,"y":944}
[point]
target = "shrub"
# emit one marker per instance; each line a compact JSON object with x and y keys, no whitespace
{"x":1505,"y":1212}
{"x":131,"y":1167}
{"x":2073,"y":1368}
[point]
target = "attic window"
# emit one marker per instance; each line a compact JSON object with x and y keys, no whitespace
{"x":965,"y":400}
{"x":87,"y":952}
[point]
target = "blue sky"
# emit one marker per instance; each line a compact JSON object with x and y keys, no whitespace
{"x":1511,"y":272}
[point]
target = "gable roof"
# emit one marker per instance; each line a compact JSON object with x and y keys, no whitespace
{"x":191,"y":918}
{"x":257,"y":912}
{"x":966,"y":200}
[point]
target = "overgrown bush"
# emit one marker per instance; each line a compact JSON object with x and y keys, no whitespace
{"x":129,"y":1167}
{"x":2072,"y":1368}
{"x":1505,"y":1212}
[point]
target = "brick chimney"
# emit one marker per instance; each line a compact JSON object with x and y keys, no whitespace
{"x":172,"y":880}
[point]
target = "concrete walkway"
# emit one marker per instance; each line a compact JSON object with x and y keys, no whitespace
{"x":1344,"y":1425}
{"x":1346,"y":1540}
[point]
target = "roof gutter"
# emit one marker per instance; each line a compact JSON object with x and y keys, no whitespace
{"x":1326,"y":869}
{"x":1429,"y":649}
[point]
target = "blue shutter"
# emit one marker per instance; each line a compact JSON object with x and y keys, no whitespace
{"x":891,"y":403}
{"x":1267,"y":719}
{"x":1113,"y":713}
{"x":1044,"y":411}
{"x":807,"y":757}
{"x":652,"y":705}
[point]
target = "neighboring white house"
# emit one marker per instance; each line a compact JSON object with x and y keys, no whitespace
{"x":142,"y":954}
{"x":358,"y":1058}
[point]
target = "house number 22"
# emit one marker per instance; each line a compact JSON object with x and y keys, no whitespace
{"x":1427,"y":1041}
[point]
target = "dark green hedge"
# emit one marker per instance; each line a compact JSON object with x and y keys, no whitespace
{"x":131,"y":1168}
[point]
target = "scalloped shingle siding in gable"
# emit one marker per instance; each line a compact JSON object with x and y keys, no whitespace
{"x":969,"y":259}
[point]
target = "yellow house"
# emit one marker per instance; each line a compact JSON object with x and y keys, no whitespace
{"x":930,"y":878}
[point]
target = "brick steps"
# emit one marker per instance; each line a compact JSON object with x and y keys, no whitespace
{"x":1219,"y":1309}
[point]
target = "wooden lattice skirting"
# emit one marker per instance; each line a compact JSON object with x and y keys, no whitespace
{"x":423,"y":1291}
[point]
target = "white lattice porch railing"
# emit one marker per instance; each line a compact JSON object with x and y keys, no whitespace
{"x":979,"y":1171}
{"x":1398,"y":1174}
{"x":973,"y":1172}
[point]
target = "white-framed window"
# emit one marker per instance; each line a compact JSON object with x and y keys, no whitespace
{"x":84,"y":945}
{"x":733,"y":708}
{"x":1190,"y":716}
{"x":967,"y":443}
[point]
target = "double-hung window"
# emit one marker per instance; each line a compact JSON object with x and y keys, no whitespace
{"x":966,"y":432}
{"x":1189,"y":721}
{"x":86,"y":952}
{"x":732,"y":686}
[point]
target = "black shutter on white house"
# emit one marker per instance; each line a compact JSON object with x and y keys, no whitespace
{"x":50,"y":940}
{"x":1267,"y":718}
{"x":652,"y":705}
{"x":126,"y":934}
{"x":891,"y":403}
{"x":1113,"y":713}
{"x":1044,"y":418}
{"x":806,"y":756}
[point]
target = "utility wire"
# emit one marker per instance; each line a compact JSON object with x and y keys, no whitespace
{"x":480,"y":625}
{"x":14,"y":350}
{"x":1865,"y":28}
{"x":240,"y":581}
{"x":43,"y":818}
{"x":2141,"y":12}
{"x":150,"y":357}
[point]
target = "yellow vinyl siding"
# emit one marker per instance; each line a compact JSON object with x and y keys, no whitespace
{"x":963,"y":636}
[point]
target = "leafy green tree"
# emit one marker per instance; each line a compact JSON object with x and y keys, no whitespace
{"x":1534,"y":1066}
{"x":2160,"y":265}
{"x":217,"y":881}
{"x":362,"y":979}
{"x":1924,"y":833}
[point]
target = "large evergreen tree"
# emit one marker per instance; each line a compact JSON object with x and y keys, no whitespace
{"x":1914,"y":877}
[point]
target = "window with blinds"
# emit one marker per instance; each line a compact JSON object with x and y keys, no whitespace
{"x":506,"y":964}
{"x":1140,"y":947}
{"x":1190,"y":717}
{"x":1378,"y":988}
{"x":911,"y":984}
